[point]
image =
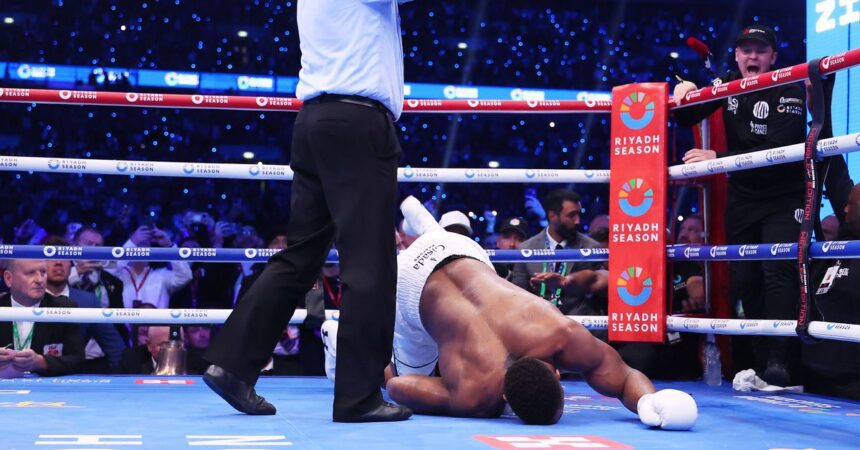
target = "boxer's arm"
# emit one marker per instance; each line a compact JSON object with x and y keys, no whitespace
{"x":602,"y":367}
{"x":423,"y":394}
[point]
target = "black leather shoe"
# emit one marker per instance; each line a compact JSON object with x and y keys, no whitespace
{"x":236,"y":392}
{"x":386,"y":412}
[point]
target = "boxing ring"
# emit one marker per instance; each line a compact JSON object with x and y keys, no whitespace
{"x":83,"y":411}
{"x":88,"y":412}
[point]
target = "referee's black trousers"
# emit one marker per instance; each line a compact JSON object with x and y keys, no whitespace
{"x":345,"y":159}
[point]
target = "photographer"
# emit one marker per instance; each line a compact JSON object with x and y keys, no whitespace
{"x":146,"y":282}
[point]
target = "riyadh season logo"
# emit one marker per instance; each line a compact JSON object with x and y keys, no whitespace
{"x":250,"y":253}
{"x":131,"y":97}
{"x":637,"y":110}
{"x":49,"y":251}
{"x":836,"y":246}
{"x":408,"y":172}
{"x":718,"y":251}
{"x":65,"y":95}
{"x":748,"y":250}
{"x":635,"y":197}
{"x":749,"y":324}
{"x":197,"y":99}
{"x":188,"y":168}
{"x":121,"y":166}
{"x":254,"y":170}
{"x":632,"y":280}
{"x":117,"y":252}
{"x":53,"y":164}
{"x":779,"y":249}
{"x":470,"y":173}
{"x":527,"y":253}
{"x":184,"y":253}
{"x":531,"y":173}
{"x":107,"y":312}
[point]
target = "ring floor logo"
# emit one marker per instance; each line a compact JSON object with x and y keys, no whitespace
{"x":637,"y":111}
{"x":632,"y":280}
{"x":635,"y":197}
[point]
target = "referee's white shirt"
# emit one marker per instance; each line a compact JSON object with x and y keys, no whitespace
{"x":351,"y":47}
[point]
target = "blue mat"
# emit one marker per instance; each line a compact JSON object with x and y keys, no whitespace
{"x":87,"y":412}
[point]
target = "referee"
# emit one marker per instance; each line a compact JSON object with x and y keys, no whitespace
{"x":344,"y":154}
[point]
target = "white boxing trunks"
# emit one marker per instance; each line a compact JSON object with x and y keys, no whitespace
{"x":415,"y":352}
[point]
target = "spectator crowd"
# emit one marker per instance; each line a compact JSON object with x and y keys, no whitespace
{"x":535,"y":44}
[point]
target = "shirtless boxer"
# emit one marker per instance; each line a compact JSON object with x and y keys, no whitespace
{"x":466,"y":341}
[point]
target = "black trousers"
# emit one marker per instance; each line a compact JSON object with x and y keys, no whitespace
{"x":345,"y":159}
{"x":766,"y":289}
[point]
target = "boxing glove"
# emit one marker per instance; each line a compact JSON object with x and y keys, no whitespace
{"x":417,"y":219}
{"x":669,"y":409}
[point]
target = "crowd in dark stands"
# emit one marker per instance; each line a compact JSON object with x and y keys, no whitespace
{"x":534,"y":45}
{"x":538,"y":44}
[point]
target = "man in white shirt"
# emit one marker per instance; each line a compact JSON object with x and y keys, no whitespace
{"x":345,"y":154}
{"x":143,"y":283}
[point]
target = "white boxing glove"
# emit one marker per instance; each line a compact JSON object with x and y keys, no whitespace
{"x":417,"y":219}
{"x":329,"y":338}
{"x":669,"y":409}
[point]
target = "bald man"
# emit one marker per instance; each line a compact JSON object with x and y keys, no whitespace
{"x":141,"y":359}
{"x":467,"y":341}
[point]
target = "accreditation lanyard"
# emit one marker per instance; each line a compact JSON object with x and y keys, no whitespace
{"x":562,"y":269}
{"x":18,"y":344}
{"x":138,"y":287}
{"x":330,"y":292}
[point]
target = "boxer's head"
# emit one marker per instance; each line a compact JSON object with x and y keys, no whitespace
{"x":534,"y":392}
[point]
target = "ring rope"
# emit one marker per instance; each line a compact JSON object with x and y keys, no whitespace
{"x":765,"y":80}
{"x":824,"y":330}
{"x":758,"y":252}
{"x":779,"y":155}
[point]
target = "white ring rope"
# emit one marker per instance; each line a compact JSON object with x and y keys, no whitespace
{"x":124,"y":315}
{"x":791,"y":153}
{"x":824,"y":330}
